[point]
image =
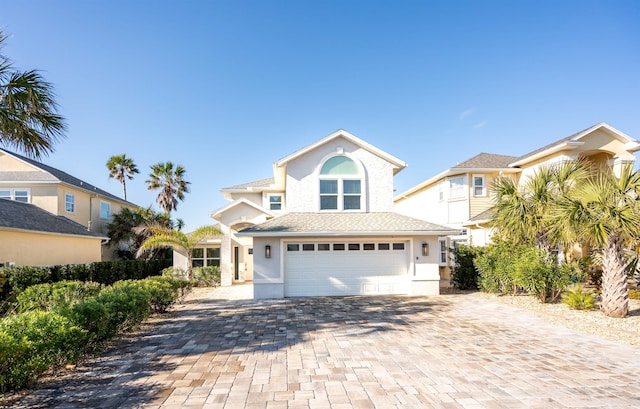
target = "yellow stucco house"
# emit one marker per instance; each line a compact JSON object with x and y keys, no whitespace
{"x":460,"y":196}
{"x":62,"y":196}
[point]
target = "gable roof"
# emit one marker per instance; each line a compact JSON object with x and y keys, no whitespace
{"x":341,"y":224}
{"x":340,"y":133}
{"x":50,"y":173}
{"x":238,"y":202}
{"x":632,"y":145}
{"x":482,"y":162}
{"x":25,"y":216}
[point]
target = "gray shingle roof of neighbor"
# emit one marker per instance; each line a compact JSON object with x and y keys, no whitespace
{"x":318,"y":224}
{"x":486,"y":161}
{"x":25,"y":216}
{"x":482,"y":216}
{"x":256,"y":184}
{"x":53,"y":174}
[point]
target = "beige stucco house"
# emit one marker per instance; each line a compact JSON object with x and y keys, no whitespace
{"x":324,"y":224}
{"x":28,"y":181}
{"x":460,"y":197}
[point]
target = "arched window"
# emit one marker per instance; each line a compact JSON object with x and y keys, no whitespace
{"x":340,"y":184}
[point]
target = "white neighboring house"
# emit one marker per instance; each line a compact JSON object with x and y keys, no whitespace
{"x":324,"y":225}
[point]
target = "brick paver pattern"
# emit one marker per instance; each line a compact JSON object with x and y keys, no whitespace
{"x":450,"y":351}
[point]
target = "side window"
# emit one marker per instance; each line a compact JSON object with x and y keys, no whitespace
{"x":275,"y":202}
{"x":442,"y":251}
{"x":479,"y":185}
{"x":105,"y":210}
{"x":69,"y":203}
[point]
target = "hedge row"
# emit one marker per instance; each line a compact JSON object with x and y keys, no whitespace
{"x":104,"y":272}
{"x":61,"y":321}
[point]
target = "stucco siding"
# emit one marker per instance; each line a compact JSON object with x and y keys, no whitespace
{"x":37,"y":249}
{"x":303,"y":186}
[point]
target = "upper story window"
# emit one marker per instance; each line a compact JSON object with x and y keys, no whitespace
{"x":105,"y":210}
{"x":19,"y":194}
{"x":456,"y":187}
{"x":69,"y":203}
{"x":441,"y":191}
{"x":340,"y":185}
{"x":479,"y":185}
{"x":275,"y":202}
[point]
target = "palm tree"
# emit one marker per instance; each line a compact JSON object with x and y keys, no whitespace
{"x":28,"y":111}
{"x":179,"y":241}
{"x":523,"y":213}
{"x":605,"y":212}
{"x":122,"y":168}
{"x":130,"y":228}
{"x":171,"y":183}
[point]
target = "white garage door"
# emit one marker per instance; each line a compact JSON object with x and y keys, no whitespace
{"x":346,"y":268}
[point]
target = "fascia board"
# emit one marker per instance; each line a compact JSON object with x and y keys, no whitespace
{"x":569,"y":145}
{"x":351,"y":234}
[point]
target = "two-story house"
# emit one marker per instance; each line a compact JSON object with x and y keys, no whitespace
{"x":28,"y":181}
{"x":460,"y":197}
{"x":324,"y":225}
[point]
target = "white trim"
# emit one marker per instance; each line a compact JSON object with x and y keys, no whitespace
{"x":484,"y":185}
{"x":347,"y":234}
{"x":235,"y":203}
{"x":398,"y":164}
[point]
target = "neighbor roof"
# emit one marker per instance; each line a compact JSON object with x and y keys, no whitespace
{"x":486,"y":161}
{"x":25,"y":216}
{"x":574,"y":139}
{"x":53,"y":174}
{"x":340,"y":224}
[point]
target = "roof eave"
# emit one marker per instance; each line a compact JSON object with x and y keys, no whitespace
{"x":350,"y":233}
{"x":565,"y":146}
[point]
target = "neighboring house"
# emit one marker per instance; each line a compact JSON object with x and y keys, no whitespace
{"x":29,"y":181}
{"x":324,"y":225}
{"x":460,"y":196}
{"x":33,"y":236}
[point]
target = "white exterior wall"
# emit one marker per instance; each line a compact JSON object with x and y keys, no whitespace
{"x":303,"y":185}
{"x":267,"y":272}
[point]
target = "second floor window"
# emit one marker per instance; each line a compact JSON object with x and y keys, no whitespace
{"x":456,"y":187}
{"x":69,"y":203}
{"x":275,"y":202}
{"x":19,"y":195}
{"x":479,"y":185}
{"x":340,"y":185}
{"x":105,"y":210}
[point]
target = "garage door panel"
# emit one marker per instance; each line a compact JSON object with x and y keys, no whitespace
{"x":309,"y":273}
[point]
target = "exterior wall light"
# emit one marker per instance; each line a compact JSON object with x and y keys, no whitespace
{"x":425,"y":249}
{"x":267,"y":251}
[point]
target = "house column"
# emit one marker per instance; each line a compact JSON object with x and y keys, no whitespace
{"x":226,"y":270}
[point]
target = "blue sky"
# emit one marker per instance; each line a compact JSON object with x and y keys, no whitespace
{"x":225,"y":88}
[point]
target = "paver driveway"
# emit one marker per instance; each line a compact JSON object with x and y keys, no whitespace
{"x":452,"y":351}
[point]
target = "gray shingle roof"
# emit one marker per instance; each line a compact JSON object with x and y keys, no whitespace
{"x":57,"y":174}
{"x":318,"y":224}
{"x":486,"y":161}
{"x":25,"y":216}
{"x":255,"y":184}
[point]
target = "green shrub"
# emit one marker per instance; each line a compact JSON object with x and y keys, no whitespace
{"x":495,"y":267}
{"x":58,"y":297}
{"x":206,"y":276}
{"x":19,"y":278}
{"x":577,"y":298}
{"x":464,"y":275}
{"x":120,"y":307}
{"x":163,"y":292}
{"x":32,"y":342}
{"x":540,"y":275}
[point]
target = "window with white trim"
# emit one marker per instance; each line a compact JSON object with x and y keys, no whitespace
{"x":275,"y":202}
{"x":69,"y":203}
{"x":441,"y":190}
{"x":19,"y":195}
{"x":340,"y":184}
{"x":205,"y":257}
{"x":456,"y":187}
{"x":442,"y":251}
{"x":105,"y":210}
{"x":479,"y":185}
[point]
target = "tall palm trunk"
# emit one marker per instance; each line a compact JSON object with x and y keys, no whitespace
{"x":615,"y":294}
